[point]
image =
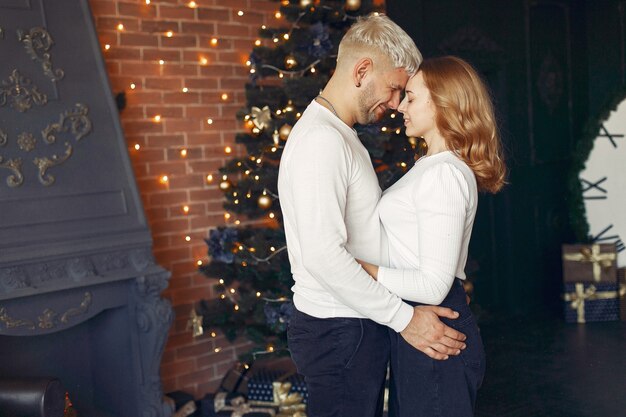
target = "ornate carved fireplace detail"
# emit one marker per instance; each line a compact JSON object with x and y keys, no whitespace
{"x":79,"y":288}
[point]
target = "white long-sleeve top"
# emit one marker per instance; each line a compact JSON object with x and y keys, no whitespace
{"x":328,"y":196}
{"x":427,"y":217}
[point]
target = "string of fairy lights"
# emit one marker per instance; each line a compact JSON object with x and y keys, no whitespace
{"x":255,"y":122}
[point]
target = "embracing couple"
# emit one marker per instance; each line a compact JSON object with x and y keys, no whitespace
{"x":378,"y":279}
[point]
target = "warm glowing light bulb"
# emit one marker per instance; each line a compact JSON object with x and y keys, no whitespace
{"x":217,"y":350}
{"x":188,"y":238}
{"x":213,"y":334}
{"x":185,"y":89}
{"x":209,"y":178}
{"x":224,"y":96}
{"x":263,"y":27}
{"x":204,"y":60}
{"x":213,"y":41}
{"x":169,"y":33}
{"x":120,"y":26}
{"x":275,"y":40}
{"x":137,"y":146}
{"x":157,"y":118}
{"x":270,"y":348}
{"x":393,"y":115}
{"x":183,"y":152}
{"x":228,"y":149}
{"x":273,"y":249}
{"x":221,"y":281}
{"x":209,"y":121}
{"x":161,"y":62}
{"x":237,"y":222}
{"x":147,"y":1}
{"x":227,"y":216}
{"x":132,"y":86}
{"x":192,"y":4}
{"x":240,"y":13}
{"x":257,"y":42}
{"x":272,"y":215}
{"x":286,"y":36}
{"x":199,"y":263}
{"x":164,"y":179}
{"x":107,"y":47}
{"x":258,"y":294}
{"x":313,"y":70}
{"x":384,"y":129}
{"x":281,"y":75}
{"x":236,"y":308}
{"x":232,"y":290}
{"x":278,"y":15}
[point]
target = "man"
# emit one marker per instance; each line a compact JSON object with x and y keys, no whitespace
{"x":328,"y":192}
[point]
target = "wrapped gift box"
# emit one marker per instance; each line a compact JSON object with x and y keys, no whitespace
{"x":223,"y":404}
{"x":595,"y":263}
{"x":586,"y":302}
{"x":261,"y":385}
{"x":621,"y":282}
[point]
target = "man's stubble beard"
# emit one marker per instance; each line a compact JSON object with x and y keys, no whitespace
{"x":366,"y":100}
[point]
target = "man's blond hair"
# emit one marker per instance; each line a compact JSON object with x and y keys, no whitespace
{"x":377,"y":34}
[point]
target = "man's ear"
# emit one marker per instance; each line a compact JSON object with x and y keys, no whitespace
{"x":362,"y":68}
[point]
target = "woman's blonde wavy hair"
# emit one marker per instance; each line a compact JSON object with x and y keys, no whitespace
{"x":465,"y":118}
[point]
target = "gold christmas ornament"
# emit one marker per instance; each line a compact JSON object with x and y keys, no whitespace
{"x":290,"y":62}
{"x":195,"y":323}
{"x":284,"y":131}
{"x":261,"y":117}
{"x":353,"y":5}
{"x":265,"y":202}
{"x":225,"y":185}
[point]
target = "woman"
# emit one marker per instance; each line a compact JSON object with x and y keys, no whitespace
{"x":428,"y":217}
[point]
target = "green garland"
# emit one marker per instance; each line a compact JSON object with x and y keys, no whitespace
{"x":578,"y":217}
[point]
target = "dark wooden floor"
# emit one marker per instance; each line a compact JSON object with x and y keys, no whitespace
{"x":544,"y":367}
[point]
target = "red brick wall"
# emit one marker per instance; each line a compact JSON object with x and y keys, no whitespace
{"x":132,"y":57}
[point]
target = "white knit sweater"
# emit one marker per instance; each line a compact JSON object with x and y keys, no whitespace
{"x":328,"y":195}
{"x":427,"y":218}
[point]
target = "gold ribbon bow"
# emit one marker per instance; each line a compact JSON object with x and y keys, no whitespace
{"x":592,"y":255}
{"x":289,"y":404}
{"x":238,"y":406}
{"x":261,"y":117}
{"x":578,"y":298}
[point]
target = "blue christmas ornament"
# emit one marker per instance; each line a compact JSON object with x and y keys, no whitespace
{"x":220,"y":243}
{"x":278,"y":315}
{"x":321,"y":44}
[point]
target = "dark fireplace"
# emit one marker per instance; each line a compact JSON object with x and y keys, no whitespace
{"x":79,"y":288}
{"x":102,"y":338}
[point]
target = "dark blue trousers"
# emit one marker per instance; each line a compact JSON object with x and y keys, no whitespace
{"x":424,"y":387}
{"x":344,"y":362}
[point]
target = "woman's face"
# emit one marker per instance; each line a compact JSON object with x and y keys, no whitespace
{"x":418,"y":109}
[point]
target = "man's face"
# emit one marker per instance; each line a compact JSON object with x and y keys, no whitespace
{"x":381,"y":93}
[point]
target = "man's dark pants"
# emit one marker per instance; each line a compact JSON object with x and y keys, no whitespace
{"x":344,"y":362}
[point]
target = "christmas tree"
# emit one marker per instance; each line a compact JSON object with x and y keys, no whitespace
{"x":251,"y":262}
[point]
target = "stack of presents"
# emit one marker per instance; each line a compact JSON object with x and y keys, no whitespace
{"x":267,"y":388}
{"x":594,"y":287}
